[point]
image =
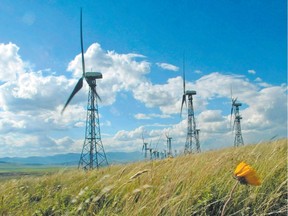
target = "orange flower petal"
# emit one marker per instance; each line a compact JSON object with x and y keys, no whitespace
{"x":242,"y":169}
{"x":239,"y":168}
{"x":252,"y":179}
{"x":245,"y":171}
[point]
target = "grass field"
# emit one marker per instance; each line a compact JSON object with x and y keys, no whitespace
{"x":196,"y":184}
{"x":9,"y":171}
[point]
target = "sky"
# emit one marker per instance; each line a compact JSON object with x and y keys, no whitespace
{"x":138,"y":46}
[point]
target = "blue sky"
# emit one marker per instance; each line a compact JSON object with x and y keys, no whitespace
{"x":139,"y":46}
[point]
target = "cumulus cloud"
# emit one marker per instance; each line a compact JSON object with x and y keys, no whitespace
{"x":11,"y":64}
{"x":124,"y":135}
{"x":31,"y":102}
{"x":167,"y":66}
{"x":212,"y":121}
{"x":120,"y":71}
{"x":263,"y":107}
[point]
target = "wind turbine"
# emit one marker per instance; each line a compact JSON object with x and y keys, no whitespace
{"x":144,"y":147}
{"x":192,"y":139}
{"x":169,"y":146}
{"x":93,"y":154}
{"x":238,"y":140}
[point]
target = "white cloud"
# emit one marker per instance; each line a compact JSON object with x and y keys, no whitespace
{"x":167,"y":66}
{"x":198,"y":72}
{"x":31,"y":103}
{"x":11,"y":64}
{"x":212,"y":121}
{"x":120,"y":71}
{"x":261,"y":83}
{"x":165,"y":96}
{"x":211,"y":116}
{"x":150,"y":116}
{"x":123,"y":135}
{"x":142,"y":116}
{"x":267,"y":109}
{"x":252,"y":72}
{"x":258,"y":79}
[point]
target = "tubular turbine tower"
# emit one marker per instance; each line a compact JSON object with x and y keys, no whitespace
{"x":93,"y":154}
{"x":192,"y":144}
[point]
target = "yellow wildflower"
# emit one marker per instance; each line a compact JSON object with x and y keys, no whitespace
{"x":245,"y":174}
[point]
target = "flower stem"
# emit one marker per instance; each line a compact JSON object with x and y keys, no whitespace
{"x":229,"y":198}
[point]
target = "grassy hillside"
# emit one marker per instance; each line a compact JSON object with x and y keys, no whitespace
{"x":190,"y":185}
{"x":12,"y":171}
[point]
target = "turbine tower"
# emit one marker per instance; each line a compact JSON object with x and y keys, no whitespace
{"x":197,"y":139}
{"x":238,"y":140}
{"x":145,"y":149}
{"x":192,"y":144}
{"x":93,"y":154}
{"x":169,"y":146}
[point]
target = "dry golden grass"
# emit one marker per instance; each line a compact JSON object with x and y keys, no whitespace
{"x":189,"y":185}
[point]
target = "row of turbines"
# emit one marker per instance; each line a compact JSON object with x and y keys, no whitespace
{"x":192,"y":144}
{"x":93,"y":153}
{"x":154,"y":153}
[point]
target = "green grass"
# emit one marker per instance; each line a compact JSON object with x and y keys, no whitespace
{"x":196,"y":184}
{"x":10,"y":171}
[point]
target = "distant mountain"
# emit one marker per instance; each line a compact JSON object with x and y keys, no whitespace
{"x":73,"y":159}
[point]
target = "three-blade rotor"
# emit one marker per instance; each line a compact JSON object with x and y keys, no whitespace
{"x":79,"y":84}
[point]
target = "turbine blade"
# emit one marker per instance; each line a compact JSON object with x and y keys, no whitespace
{"x":94,"y":90}
{"x":231,"y":94}
{"x":183,"y":101}
{"x":231,"y":117}
{"x":233,"y":125}
{"x":184,"y":82}
{"x":75,"y":90}
{"x":81,"y":38}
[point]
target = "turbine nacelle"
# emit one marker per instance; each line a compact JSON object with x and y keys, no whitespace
{"x":93,"y":75}
{"x":190,"y":92}
{"x":237,"y":104}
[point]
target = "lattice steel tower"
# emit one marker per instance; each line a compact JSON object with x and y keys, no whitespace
{"x":93,"y":154}
{"x":192,"y":144}
{"x":238,"y":140}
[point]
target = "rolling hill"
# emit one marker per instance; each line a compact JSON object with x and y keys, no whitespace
{"x":197,"y":184}
{"x":72,"y":159}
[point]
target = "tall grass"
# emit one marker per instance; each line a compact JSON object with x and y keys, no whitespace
{"x":196,"y":184}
